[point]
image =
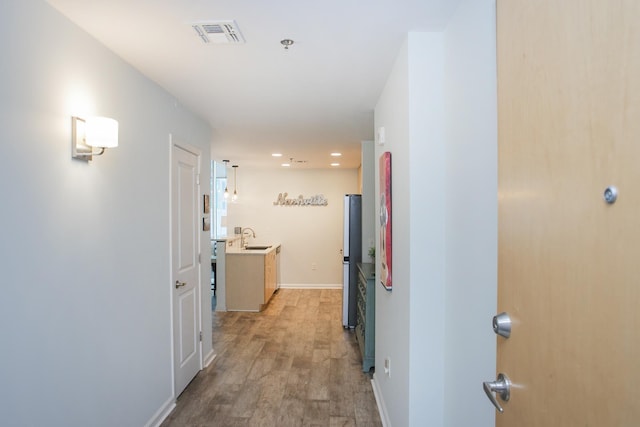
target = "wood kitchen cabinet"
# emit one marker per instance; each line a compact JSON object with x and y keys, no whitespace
{"x":251,"y":279}
{"x":270,"y":275}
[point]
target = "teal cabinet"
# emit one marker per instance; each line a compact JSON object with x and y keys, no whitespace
{"x":366,"y":315}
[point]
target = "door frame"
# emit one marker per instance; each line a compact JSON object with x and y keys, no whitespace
{"x":178,"y":143}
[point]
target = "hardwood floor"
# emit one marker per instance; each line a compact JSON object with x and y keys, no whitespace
{"x":291,"y":365}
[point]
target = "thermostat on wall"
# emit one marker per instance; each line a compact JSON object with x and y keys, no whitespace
{"x":380,"y":135}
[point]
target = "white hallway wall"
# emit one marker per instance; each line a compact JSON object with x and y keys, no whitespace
{"x":393,"y":309}
{"x":309,"y":234}
{"x":472,"y":213}
{"x":85,"y":252}
{"x":439,"y":112}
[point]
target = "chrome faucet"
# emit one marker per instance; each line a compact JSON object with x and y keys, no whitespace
{"x":243,"y":243}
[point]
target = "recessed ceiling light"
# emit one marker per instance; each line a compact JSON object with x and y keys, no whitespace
{"x":336,"y":154}
{"x":286,"y":165}
{"x":276,"y":155}
{"x":335,"y":164}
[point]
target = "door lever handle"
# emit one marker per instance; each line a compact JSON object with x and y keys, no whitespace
{"x":501,"y":386}
{"x":180,"y":284}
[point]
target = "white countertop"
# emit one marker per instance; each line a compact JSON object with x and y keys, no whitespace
{"x":236,"y":250}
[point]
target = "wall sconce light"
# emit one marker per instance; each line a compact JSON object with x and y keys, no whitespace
{"x":94,"y":132}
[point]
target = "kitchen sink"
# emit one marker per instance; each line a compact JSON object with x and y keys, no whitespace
{"x":257,"y":248}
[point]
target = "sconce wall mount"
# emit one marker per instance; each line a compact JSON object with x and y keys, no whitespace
{"x":92,"y":133}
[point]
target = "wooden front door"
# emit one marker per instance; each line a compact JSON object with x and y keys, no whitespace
{"x":569,"y":262}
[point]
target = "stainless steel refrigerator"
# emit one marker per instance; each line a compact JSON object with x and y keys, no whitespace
{"x":352,"y":255}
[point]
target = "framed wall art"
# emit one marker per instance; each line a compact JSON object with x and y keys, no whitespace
{"x":385,"y":220}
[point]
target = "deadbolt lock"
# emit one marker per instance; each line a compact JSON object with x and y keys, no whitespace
{"x":502,"y":324}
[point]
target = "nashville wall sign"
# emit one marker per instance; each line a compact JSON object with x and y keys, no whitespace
{"x":317,"y":200}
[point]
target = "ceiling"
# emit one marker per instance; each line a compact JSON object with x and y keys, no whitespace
{"x":315,"y":98}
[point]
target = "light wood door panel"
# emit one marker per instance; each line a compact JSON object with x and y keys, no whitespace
{"x":569,"y":263}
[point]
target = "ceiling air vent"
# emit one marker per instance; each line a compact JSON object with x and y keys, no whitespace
{"x":224,"y":32}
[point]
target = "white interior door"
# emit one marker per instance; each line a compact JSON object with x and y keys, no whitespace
{"x":185,"y":267}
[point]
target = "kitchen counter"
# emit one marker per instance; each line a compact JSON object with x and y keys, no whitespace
{"x":268,"y":247}
{"x":251,"y":276}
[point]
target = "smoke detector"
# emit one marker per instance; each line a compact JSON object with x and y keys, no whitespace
{"x":219,"y":32}
{"x":286,"y":43}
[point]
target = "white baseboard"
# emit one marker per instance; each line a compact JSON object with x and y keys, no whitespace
{"x":310,"y":286}
{"x":209,"y":358}
{"x":382,"y":409}
{"x":162,"y":413}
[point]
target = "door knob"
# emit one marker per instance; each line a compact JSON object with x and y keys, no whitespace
{"x":501,"y":386}
{"x":502,"y":325}
{"x":180,"y":284}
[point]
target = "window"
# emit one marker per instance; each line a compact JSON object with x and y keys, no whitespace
{"x":219,"y":214}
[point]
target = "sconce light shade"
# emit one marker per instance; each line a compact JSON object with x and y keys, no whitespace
{"x":234,"y":198}
{"x":94,"y":132}
{"x":226,"y":186}
{"x":101,"y":132}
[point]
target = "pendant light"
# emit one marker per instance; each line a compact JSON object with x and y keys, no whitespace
{"x":226,"y":190}
{"x":235,"y":184}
